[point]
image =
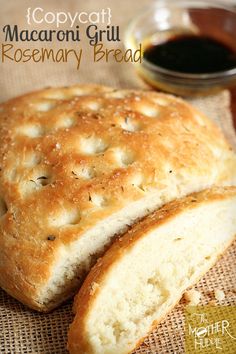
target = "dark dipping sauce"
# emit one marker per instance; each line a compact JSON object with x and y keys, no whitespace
{"x":192,"y":54}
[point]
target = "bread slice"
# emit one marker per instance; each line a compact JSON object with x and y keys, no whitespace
{"x":144,"y":273}
{"x":78,"y":165}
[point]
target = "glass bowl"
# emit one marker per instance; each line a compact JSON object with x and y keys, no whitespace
{"x":161,"y":19}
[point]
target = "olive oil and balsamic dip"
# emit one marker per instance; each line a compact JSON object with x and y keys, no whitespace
{"x":191,"y":54}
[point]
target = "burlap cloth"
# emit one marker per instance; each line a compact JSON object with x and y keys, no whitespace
{"x":22,"y":330}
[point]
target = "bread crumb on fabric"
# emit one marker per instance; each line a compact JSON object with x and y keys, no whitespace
{"x":219,"y":294}
{"x":193,"y":297}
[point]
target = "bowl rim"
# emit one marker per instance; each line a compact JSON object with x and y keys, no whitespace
{"x":163,"y":4}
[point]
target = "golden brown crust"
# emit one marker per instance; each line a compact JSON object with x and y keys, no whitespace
{"x":60,"y":149}
{"x":87,"y":295}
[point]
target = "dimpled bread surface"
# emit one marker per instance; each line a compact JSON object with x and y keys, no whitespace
{"x":79,"y":164}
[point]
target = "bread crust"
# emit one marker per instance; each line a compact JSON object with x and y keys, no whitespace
{"x":61,"y":148}
{"x":83,"y":302}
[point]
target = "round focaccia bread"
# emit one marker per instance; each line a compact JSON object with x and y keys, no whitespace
{"x":79,"y":165}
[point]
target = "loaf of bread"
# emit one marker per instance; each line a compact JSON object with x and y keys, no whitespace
{"x":78,"y":165}
{"x":144,"y":273}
